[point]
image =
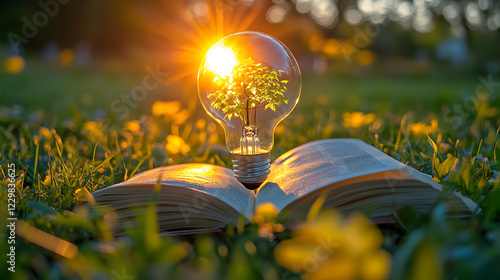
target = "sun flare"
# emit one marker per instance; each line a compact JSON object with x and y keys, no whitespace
{"x":221,"y":60}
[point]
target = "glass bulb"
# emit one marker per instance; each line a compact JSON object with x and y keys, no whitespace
{"x":248,"y":82}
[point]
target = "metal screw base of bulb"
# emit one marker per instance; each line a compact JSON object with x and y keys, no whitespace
{"x":251,"y":170}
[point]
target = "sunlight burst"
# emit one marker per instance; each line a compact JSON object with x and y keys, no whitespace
{"x":221,"y":60}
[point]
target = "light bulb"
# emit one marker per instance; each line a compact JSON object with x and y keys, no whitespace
{"x":248,"y":82}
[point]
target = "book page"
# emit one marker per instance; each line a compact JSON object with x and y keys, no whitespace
{"x":427,"y":179}
{"x":213,"y":180}
{"x":318,"y":164}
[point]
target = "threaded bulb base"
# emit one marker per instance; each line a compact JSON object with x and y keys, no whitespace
{"x":251,"y":170}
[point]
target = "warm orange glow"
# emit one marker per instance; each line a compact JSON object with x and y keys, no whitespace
{"x":259,"y":151}
{"x":45,"y":240}
{"x":14,"y":64}
{"x":200,"y":170}
{"x":180,"y":40}
{"x":221,"y":60}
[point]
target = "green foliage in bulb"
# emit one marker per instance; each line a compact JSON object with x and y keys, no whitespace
{"x":249,"y":86}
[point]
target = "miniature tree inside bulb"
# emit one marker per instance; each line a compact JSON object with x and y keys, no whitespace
{"x":248,"y":82}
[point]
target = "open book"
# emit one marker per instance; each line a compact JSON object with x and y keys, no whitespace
{"x":356,"y":176}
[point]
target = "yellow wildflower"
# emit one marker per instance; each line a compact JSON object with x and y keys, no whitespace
{"x":14,"y":64}
{"x":365,"y":58}
{"x":265,"y":216}
{"x":45,"y":132}
{"x":167,"y":108}
{"x":93,"y":129}
{"x":182,"y":116}
{"x":336,"y":268}
{"x":223,"y":251}
{"x":266,"y":212}
{"x":250,"y":247}
{"x":91,"y":126}
{"x":132,"y":126}
{"x":360,"y":235}
{"x":421,"y":128}
{"x":332,"y":47}
{"x":200,"y":124}
{"x":375,"y":265}
{"x":66,"y":57}
{"x":176,"y":145}
{"x":427,"y":263}
{"x":349,"y":248}
{"x":357,"y":119}
{"x":177,"y":252}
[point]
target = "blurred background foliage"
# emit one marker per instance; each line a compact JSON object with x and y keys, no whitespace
{"x":417,"y":79}
{"x":450,"y":43}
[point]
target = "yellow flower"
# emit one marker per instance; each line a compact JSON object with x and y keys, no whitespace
{"x":360,"y":235}
{"x":330,"y":247}
{"x":66,"y":57}
{"x":265,"y":216}
{"x":266,"y":212}
{"x":182,"y":116}
{"x":93,"y":129}
{"x":177,"y":252}
{"x":14,"y":64}
{"x":375,"y":265}
{"x":357,"y":119}
{"x":332,"y":47}
{"x":427,"y":263}
{"x":200,"y":124}
{"x":336,"y":268}
{"x":132,"y":126}
{"x":421,"y":128}
{"x":45,"y":132}
{"x":294,"y":253}
{"x":365,"y":58}
{"x":91,"y":126}
{"x":167,"y":108}
{"x":176,"y":145}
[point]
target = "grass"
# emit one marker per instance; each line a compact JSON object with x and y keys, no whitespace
{"x":63,"y":151}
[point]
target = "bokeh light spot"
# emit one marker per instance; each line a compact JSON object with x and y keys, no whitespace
{"x":276,"y":14}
